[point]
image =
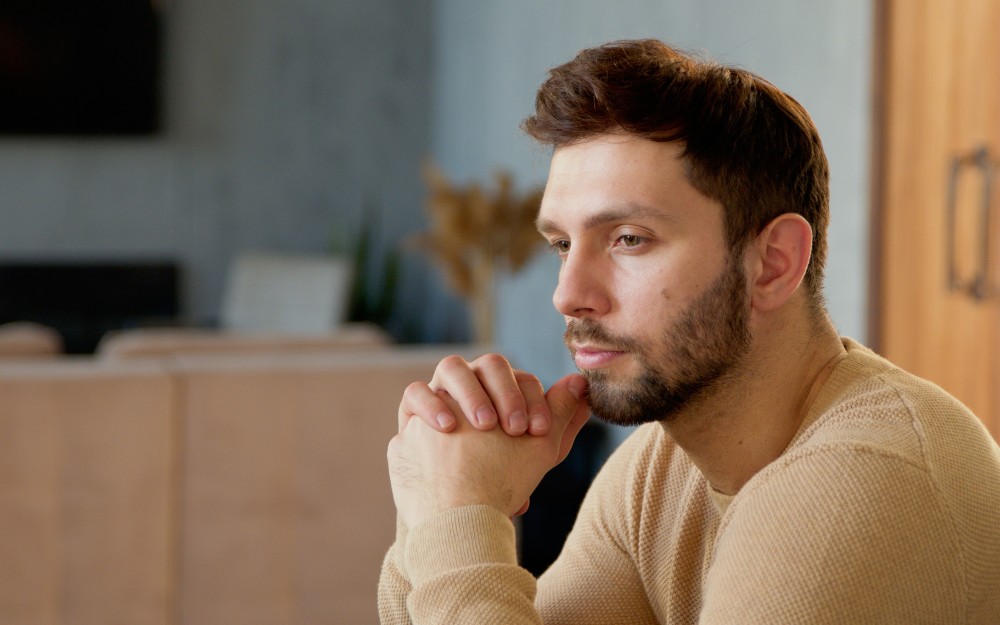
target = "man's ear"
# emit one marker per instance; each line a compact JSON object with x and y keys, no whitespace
{"x":780,"y":256}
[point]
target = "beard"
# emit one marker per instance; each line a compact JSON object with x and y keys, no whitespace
{"x":696,"y":352}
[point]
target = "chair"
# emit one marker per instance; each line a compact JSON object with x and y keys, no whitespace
{"x":26,"y":339}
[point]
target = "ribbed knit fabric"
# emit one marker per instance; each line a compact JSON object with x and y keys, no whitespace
{"x":885,"y":508}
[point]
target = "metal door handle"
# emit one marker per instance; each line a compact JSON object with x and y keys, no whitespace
{"x":979,"y":286}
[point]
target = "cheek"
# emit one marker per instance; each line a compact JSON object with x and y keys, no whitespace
{"x":646,"y":305}
{"x":659,"y":300}
{"x":654,"y":288}
{"x":634,"y":293}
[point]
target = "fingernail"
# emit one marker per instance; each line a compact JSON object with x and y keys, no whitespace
{"x":539,"y":424}
{"x":518,"y":422}
{"x":486,"y":416}
{"x":576,"y":387}
{"x":445,"y":420}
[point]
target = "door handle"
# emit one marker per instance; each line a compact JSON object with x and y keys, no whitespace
{"x":979,"y":286}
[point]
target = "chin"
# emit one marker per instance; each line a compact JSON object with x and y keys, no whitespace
{"x":643,"y":399}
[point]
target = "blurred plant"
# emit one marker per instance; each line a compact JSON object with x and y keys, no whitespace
{"x":473,"y":232}
{"x":373,"y":301}
{"x":373,"y":290}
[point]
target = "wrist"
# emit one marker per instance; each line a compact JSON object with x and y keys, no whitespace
{"x":458,"y":538}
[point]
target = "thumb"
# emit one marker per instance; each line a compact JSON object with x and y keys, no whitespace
{"x":567,"y":401}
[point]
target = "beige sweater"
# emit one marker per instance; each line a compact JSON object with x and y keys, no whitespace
{"x":885,"y":508}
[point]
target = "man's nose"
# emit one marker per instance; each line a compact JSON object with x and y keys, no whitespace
{"x":582,"y":290}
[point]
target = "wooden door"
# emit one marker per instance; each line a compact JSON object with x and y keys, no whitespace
{"x":939,"y":122}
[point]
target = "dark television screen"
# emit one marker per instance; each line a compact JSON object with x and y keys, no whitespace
{"x":83,"y":300}
{"x":79,"y":67}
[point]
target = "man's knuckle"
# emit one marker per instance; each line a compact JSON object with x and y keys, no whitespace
{"x":510,"y":395}
{"x":452,"y":362}
{"x":414,"y":389}
{"x":492,"y":360}
{"x":523,"y":376}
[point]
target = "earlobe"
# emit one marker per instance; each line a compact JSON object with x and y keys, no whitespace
{"x":783,"y":249}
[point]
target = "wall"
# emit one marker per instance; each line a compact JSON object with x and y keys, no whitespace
{"x":491,"y":56}
{"x":286,"y":120}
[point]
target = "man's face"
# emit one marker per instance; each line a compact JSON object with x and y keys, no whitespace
{"x":657,"y":309}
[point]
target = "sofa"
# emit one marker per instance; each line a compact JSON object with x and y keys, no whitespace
{"x":197,"y":487}
{"x":26,"y":339}
{"x":163,"y":342}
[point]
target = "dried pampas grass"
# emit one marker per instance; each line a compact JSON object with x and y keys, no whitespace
{"x":474,"y":231}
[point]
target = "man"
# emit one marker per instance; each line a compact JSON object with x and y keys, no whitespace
{"x":782,"y":475}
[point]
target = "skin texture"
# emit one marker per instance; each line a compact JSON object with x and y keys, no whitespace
{"x":649,"y":322}
{"x":655,"y":303}
{"x":432,"y":472}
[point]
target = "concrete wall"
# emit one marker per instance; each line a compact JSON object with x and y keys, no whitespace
{"x":286,"y":120}
{"x":491,"y":56}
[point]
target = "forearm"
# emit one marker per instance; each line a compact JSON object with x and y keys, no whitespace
{"x":393,"y":590}
{"x":463,"y":569}
{"x":393,"y":585}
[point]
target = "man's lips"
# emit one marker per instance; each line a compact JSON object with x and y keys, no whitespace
{"x":594,"y":357}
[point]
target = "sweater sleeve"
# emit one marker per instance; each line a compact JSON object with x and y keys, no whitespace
{"x":393,"y":585}
{"x":842,"y":534}
{"x":393,"y":590}
{"x":462,"y":565}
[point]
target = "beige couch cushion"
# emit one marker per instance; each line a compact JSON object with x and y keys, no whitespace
{"x":24,"y":339}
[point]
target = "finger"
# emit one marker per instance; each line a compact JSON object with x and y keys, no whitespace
{"x":497,"y":377}
{"x":570,"y":410}
{"x":455,"y":375}
{"x":419,"y":400}
{"x":579,"y":419}
{"x":539,"y":418}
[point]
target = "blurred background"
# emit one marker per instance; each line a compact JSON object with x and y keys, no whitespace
{"x":302,"y":125}
{"x":159,"y":158}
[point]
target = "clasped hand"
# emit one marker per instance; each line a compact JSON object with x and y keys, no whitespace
{"x":480,"y":433}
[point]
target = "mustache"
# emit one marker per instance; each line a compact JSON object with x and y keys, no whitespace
{"x":588,"y":330}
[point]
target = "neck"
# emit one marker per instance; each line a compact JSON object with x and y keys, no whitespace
{"x":749,"y":422}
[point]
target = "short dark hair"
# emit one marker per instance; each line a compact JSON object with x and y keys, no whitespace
{"x":748,"y":145}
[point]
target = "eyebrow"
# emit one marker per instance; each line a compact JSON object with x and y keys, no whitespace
{"x":621,"y":213}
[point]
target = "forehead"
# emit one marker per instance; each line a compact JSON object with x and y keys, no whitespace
{"x":621,"y":173}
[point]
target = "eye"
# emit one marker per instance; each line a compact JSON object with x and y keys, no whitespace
{"x":630,"y":240}
{"x":559,"y":246}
